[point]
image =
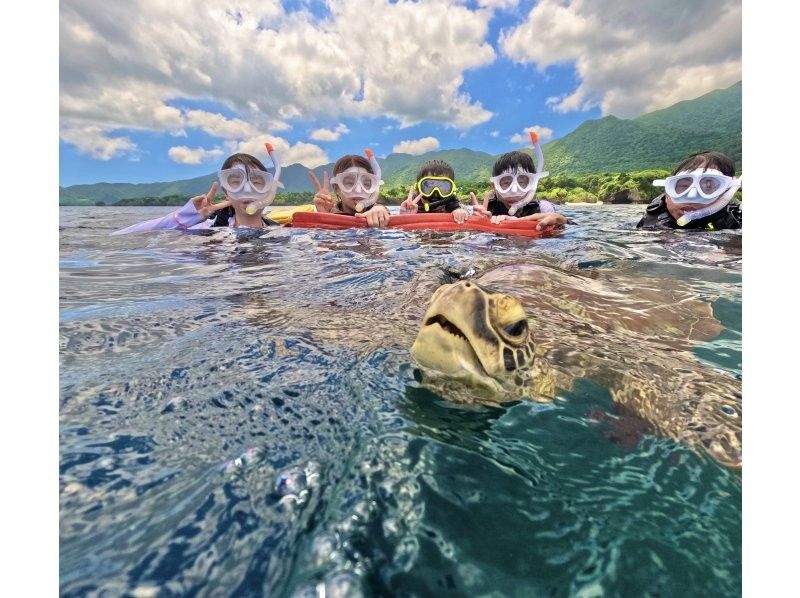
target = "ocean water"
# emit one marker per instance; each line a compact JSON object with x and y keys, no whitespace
{"x":240,"y":415}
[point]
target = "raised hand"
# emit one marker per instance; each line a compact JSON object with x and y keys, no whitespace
{"x":411,"y":204}
{"x":322,"y":200}
{"x":204,"y":204}
{"x":377,"y":215}
{"x":481,"y":210}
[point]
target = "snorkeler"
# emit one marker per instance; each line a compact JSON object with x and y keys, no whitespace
{"x":697,"y":196}
{"x":514,"y":181}
{"x":248,"y":188}
{"x":436,"y":191}
{"x":356,"y":182}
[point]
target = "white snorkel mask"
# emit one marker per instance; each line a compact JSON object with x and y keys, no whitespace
{"x":356,"y":182}
{"x":510,"y":185}
{"x":700,"y":186}
{"x":259,"y":186}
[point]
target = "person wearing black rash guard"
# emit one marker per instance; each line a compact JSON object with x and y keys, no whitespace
{"x":513,"y":196}
{"x":697,"y":196}
{"x":435,"y":192}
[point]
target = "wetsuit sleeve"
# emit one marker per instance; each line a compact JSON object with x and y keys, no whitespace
{"x":182,"y":218}
{"x":452,"y":204}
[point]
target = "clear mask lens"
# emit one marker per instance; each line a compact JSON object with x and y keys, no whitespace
{"x":427,"y":186}
{"x":233,"y":180}
{"x":524,"y":182}
{"x":356,"y":182}
{"x":696,"y":187}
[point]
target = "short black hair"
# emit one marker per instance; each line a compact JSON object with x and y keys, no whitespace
{"x":514,"y":161}
{"x":706,"y":160}
{"x":249,"y":162}
{"x":436,"y":168}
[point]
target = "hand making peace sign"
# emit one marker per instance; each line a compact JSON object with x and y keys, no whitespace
{"x":322,"y":200}
{"x":481,"y":210}
{"x":410,"y":204}
{"x":205,"y":205}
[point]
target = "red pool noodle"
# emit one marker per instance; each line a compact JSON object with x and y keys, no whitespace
{"x":432,"y":222}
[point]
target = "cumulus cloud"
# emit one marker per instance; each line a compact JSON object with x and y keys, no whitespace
{"x":632,"y":58}
{"x":494,"y":134}
{"x":524,"y":138}
{"x":328,"y":134}
{"x":415,"y":147}
{"x":94,"y":141}
{"x":307,"y":154}
{"x":187,"y":155}
{"x":498,"y":4}
{"x":130,"y":64}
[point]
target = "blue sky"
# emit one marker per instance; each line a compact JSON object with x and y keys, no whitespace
{"x":122,"y":117}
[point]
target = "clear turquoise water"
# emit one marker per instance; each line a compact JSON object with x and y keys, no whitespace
{"x":240,"y":416}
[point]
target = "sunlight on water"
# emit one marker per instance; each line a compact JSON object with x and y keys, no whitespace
{"x":239,"y":415}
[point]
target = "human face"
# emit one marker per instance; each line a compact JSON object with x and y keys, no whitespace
{"x":690,"y":191}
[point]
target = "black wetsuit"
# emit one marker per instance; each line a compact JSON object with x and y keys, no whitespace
{"x":498,"y":208}
{"x":225,"y":214}
{"x":438,"y":205}
{"x":658,"y":217}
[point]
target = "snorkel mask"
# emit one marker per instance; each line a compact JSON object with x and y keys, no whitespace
{"x":510,"y":185}
{"x":441,"y":186}
{"x":259,"y":186}
{"x":356,"y":182}
{"x":709,"y":187}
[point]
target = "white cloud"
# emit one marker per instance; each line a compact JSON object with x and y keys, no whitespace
{"x":93,"y":141}
{"x":220,"y":126}
{"x":130,"y":64}
{"x":328,"y":134}
{"x":524,"y":138}
{"x":632,"y":58}
{"x":186,"y":155}
{"x":307,"y":154}
{"x":494,"y":134}
{"x":498,"y":4}
{"x":415,"y":147}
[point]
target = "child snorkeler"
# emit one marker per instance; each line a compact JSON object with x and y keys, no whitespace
{"x":514,"y":181}
{"x":248,"y":188}
{"x":697,"y":196}
{"x":356,"y":182}
{"x":436,"y":190}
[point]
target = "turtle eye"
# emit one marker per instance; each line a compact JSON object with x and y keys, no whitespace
{"x":517,"y":328}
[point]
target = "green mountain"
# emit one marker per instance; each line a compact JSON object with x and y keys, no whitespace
{"x":658,"y":140}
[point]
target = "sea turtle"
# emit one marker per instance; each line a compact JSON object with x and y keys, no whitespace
{"x":485,"y":339}
{"x":629,"y":333}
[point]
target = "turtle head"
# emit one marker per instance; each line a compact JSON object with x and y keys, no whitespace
{"x":477,"y":336}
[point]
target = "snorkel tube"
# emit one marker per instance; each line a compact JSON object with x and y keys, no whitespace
{"x":713,"y":207}
{"x":540,"y":172}
{"x":376,"y":170}
{"x":258,"y":206}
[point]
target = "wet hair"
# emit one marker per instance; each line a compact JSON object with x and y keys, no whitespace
{"x":249,"y":162}
{"x":349,"y":161}
{"x":436,"y":168}
{"x":706,"y":160}
{"x":513,"y":161}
